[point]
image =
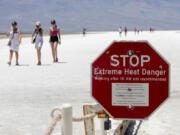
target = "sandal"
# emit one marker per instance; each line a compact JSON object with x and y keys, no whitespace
{"x":17,"y":64}
{"x":39,"y":63}
{"x":9,"y":63}
{"x":56,"y":60}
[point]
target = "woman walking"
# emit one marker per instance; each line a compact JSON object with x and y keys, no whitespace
{"x":120,"y":31}
{"x":37,"y":39}
{"x":55,"y":39}
{"x":15,"y":37}
{"x":125,"y":31}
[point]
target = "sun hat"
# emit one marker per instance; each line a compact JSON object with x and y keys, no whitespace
{"x":38,"y":23}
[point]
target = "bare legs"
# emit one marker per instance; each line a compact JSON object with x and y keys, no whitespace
{"x":54,"y":51}
{"x":17,"y":57}
{"x":39,"y":55}
{"x":11,"y":56}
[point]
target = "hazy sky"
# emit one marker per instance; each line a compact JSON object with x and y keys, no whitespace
{"x":95,"y":15}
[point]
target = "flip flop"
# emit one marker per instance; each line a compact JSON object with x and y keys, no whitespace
{"x":9,"y":63}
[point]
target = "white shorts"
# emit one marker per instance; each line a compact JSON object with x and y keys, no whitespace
{"x":39,"y":42}
{"x":14,"y":42}
{"x":14,"y":47}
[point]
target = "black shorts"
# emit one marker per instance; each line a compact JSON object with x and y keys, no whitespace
{"x":54,"y":39}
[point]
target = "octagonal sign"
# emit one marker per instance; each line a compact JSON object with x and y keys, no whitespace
{"x":130,"y":80}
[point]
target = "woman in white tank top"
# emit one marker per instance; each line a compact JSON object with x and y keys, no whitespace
{"x":15,"y":40}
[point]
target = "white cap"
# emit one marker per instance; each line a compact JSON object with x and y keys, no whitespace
{"x":38,"y":23}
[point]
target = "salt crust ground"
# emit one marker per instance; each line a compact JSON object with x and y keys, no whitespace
{"x":29,"y":92}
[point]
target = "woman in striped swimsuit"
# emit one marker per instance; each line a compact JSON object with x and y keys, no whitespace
{"x":37,"y":39}
{"x":55,"y":39}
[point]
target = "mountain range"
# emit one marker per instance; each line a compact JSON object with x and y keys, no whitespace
{"x":95,"y":15}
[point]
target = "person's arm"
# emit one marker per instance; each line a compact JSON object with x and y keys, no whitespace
{"x":20,"y":35}
{"x":42,"y":32}
{"x":59,"y":35}
{"x":8,"y":34}
{"x":32,"y":36}
{"x":49,"y":31}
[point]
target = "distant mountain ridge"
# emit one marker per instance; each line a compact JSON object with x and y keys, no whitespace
{"x":95,"y":15}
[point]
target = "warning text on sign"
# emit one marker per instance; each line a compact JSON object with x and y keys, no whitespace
{"x":130,"y":94}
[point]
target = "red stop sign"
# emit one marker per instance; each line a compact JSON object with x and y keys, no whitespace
{"x":130,"y":80}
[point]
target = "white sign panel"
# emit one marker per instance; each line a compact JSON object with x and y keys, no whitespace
{"x":130,"y":94}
